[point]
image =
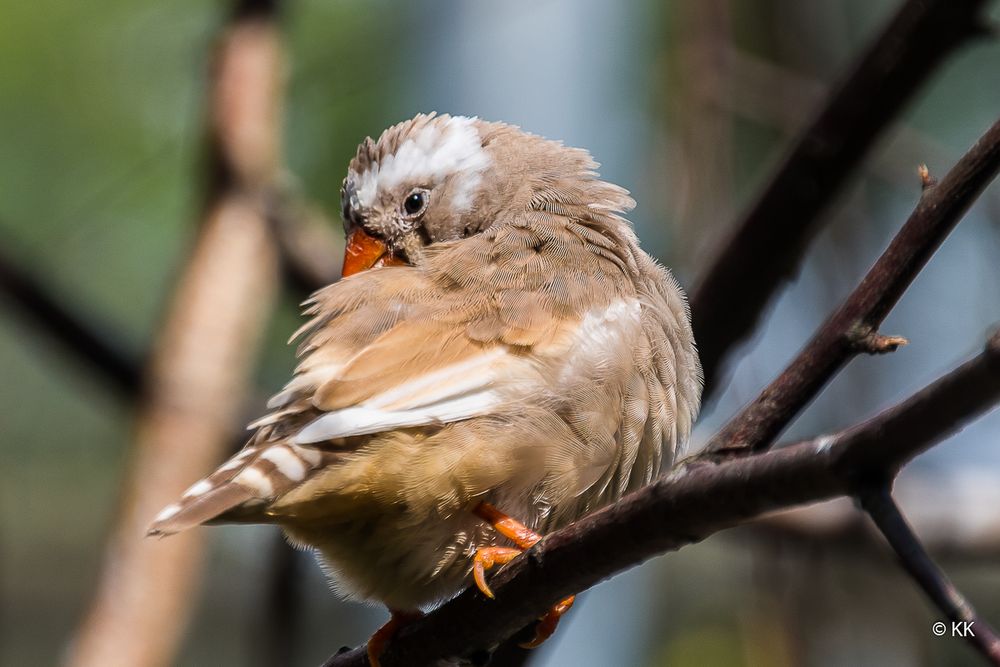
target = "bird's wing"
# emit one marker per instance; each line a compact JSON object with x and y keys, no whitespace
{"x":482,"y":322}
{"x":416,"y":346}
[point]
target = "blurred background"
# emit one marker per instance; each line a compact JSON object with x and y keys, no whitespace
{"x":105,"y":196}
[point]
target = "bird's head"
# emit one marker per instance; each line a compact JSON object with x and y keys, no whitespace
{"x":440,"y":178}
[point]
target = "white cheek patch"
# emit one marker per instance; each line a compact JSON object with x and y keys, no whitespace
{"x":438,"y":150}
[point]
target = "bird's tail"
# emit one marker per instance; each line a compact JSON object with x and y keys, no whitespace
{"x":241,"y":488}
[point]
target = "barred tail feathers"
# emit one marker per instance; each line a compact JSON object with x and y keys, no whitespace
{"x":239,"y":488}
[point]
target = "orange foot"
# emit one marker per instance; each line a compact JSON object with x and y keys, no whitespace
{"x":379,"y":640}
{"x":488,"y":557}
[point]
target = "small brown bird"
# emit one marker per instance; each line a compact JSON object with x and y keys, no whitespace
{"x":516,"y":363}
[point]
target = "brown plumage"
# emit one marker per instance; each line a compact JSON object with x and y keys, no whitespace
{"x":530,"y":356}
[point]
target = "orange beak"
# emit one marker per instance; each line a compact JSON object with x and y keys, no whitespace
{"x":364,"y":252}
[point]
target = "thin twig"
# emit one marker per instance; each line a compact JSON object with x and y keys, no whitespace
{"x":728,"y":300}
{"x":853,"y":328}
{"x":700,"y":498}
{"x":880,"y":506}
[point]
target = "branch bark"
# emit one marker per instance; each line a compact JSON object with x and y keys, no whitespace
{"x":853,"y":328}
{"x":700,"y":498}
{"x":727,"y":302}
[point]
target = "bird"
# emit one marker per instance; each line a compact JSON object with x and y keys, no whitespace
{"x":500,"y":359}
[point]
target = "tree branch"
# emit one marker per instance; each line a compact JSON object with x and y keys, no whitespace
{"x":698,"y":499}
{"x":853,"y":328}
{"x":728,"y":300}
{"x":879,"y":505}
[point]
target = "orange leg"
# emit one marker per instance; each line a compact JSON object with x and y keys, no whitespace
{"x":488,"y":557}
{"x":511,"y":528}
{"x":380,"y":639}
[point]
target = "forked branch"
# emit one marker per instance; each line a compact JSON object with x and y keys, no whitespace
{"x":853,"y":328}
{"x":731,"y":295}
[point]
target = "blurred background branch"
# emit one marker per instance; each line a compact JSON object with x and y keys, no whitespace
{"x":306,"y":242}
{"x":202,"y":360}
{"x":880,"y":506}
{"x":89,"y":342}
{"x":853,"y":328}
{"x":728,"y":300}
{"x":954,"y":517}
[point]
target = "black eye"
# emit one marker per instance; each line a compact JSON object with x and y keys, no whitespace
{"x":415,"y":202}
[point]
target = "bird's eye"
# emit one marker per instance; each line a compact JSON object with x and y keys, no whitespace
{"x":415,"y":203}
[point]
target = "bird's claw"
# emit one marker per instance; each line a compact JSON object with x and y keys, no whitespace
{"x":490,"y":557}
